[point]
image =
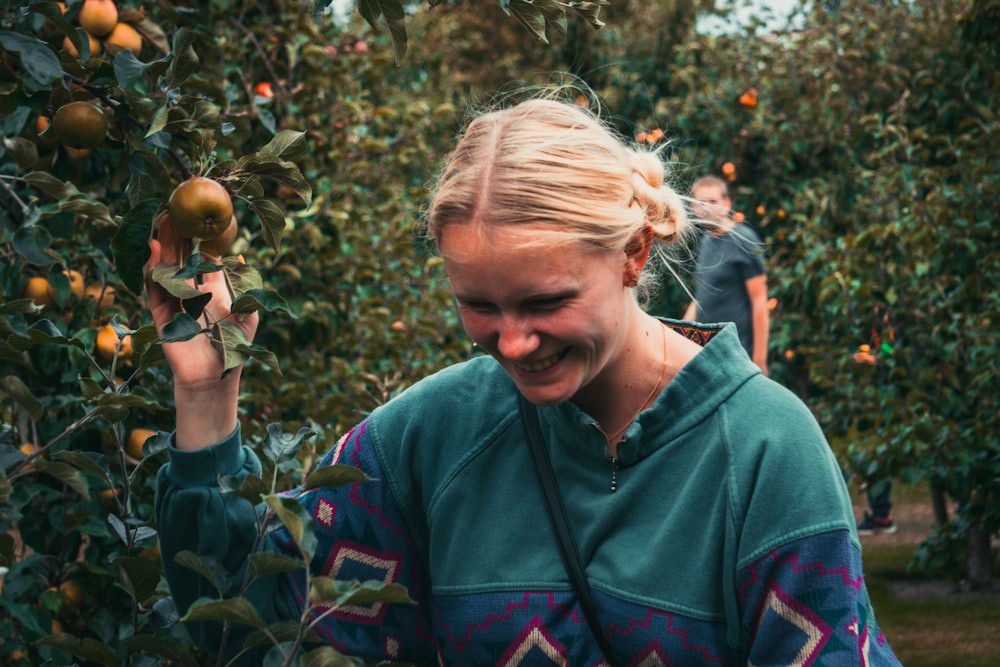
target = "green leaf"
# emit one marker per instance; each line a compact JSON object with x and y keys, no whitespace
{"x":285,"y":145}
{"x":267,"y":562}
{"x":297,"y":521}
{"x":22,"y":150}
{"x":86,"y":648}
{"x":92,"y":462}
{"x":139,"y":576}
{"x":259,"y":299}
{"x":148,"y":178}
{"x":174,"y":280}
{"x":38,"y":59}
{"x":236,"y":610}
{"x":32,"y":242}
{"x":54,"y":13}
{"x":280,"y":446}
{"x":282,"y":632}
{"x":184,"y":61}
{"x":128,"y":68}
{"x":42,"y":332}
{"x":14,"y":387}
{"x":182,"y":327}
{"x":207,"y":567}
{"x":242,"y":277}
{"x":273,"y":220}
{"x":325,"y":590}
{"x":334,"y":476}
{"x":50,"y":185}
{"x":326,"y":656}
{"x":176,"y":652}
{"x":160,"y":119}
{"x":280,"y":171}
{"x":130,"y":245}
{"x":66,"y":474}
{"x":233,"y":340}
{"x":252,"y":488}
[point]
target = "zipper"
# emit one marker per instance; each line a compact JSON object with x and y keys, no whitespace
{"x":614,"y":472}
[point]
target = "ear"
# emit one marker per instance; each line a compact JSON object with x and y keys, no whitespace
{"x":637,"y":254}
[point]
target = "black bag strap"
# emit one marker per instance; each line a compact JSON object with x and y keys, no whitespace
{"x":560,"y":523}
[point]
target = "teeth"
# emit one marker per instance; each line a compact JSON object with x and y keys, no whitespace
{"x":540,"y":365}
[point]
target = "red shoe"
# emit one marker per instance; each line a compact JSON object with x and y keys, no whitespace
{"x":876,"y":525}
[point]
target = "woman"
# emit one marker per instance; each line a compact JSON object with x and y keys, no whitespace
{"x":708,"y":534}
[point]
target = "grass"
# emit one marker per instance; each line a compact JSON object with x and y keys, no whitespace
{"x":929,"y":623}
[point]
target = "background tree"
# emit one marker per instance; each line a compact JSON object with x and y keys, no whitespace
{"x":863,"y":146}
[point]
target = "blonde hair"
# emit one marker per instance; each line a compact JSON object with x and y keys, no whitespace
{"x":555,"y":165}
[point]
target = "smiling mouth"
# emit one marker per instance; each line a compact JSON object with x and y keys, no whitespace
{"x":543,"y":364}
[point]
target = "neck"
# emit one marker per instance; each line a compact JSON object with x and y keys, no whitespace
{"x":642,"y":384}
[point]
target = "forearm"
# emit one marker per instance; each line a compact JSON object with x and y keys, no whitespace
{"x":761,"y":335}
{"x":207,"y":414}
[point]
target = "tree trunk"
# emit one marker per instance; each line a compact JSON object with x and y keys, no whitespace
{"x":940,"y":503}
{"x":980,"y":560}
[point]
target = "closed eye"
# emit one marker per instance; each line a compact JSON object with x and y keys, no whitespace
{"x":478,"y":306}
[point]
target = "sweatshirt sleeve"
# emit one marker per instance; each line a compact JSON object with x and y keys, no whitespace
{"x":806,"y":604}
{"x":193,"y":514}
{"x":361,"y":536}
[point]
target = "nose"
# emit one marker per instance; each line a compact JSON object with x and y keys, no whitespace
{"x":517,"y":338}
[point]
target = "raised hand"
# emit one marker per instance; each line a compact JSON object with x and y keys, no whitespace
{"x":205,"y":400}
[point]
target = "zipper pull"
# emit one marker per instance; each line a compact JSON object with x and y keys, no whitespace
{"x":614,"y":474}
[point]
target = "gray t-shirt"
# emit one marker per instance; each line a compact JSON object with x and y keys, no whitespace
{"x":724,"y":265}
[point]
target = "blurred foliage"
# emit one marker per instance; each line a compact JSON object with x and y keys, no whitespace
{"x":865,"y":151}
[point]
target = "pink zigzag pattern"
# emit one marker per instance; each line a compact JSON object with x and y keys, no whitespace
{"x":646,"y":625}
{"x":460,"y":642}
{"x":844,"y":573}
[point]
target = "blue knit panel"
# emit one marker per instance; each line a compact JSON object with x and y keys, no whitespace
{"x":546,"y":628}
{"x":362,"y":536}
{"x":806,"y":604}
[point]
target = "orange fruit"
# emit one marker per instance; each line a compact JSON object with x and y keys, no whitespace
{"x":761,"y":210}
{"x":123,"y":37}
{"x":749,"y":98}
{"x":70,"y":48}
{"x":200,"y":208}
{"x":264,"y":89}
{"x":107,"y":342}
{"x":39,"y":290}
{"x":220,"y":244}
{"x":789,"y":355}
{"x":728,"y":168}
{"x":76,"y":282}
{"x":135,"y":440}
{"x":98,"y":17}
{"x":80,"y":125}
{"x":77,"y":154}
{"x":739,"y":217}
{"x":104,"y":295}
{"x":772,"y":303}
{"x":73,"y":591}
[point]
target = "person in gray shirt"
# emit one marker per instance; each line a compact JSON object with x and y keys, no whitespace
{"x":730,"y":277}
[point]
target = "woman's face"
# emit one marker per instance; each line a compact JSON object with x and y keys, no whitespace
{"x":551,"y":313}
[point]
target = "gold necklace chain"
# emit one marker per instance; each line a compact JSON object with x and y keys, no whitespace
{"x":652,"y":392}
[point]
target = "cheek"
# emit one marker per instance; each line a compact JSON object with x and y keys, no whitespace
{"x":478,"y":326}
